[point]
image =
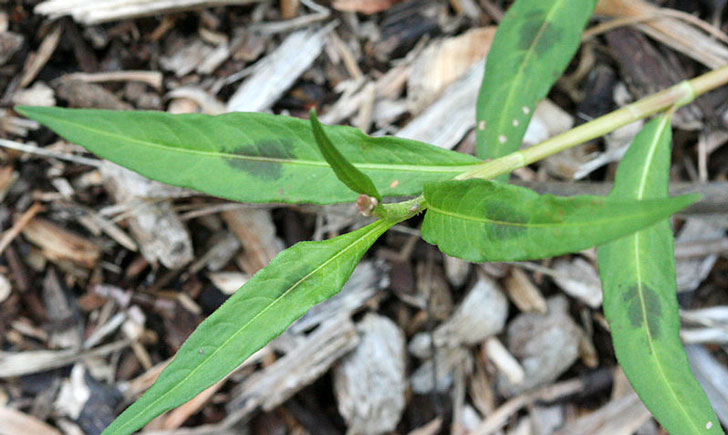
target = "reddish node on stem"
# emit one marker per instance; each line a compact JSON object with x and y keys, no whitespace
{"x":365,"y":204}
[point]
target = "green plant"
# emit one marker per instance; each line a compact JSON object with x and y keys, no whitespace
{"x":257,"y":158}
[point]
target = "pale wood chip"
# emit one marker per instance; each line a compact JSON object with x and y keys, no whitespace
{"x":276,"y":72}
{"x":13,"y":421}
{"x":112,"y":10}
{"x":58,"y":243}
{"x":257,"y":234}
{"x":370,"y":382}
{"x":276,"y":383}
{"x":37,"y":60}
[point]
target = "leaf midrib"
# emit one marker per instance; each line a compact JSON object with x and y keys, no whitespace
{"x":374,"y":229}
{"x":448,"y":169}
{"x":521,"y":224}
{"x":642,"y":187}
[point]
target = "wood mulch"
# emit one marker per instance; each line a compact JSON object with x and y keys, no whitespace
{"x":103,"y":274}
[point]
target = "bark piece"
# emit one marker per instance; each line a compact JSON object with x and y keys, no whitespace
{"x":405,"y":24}
{"x":368,"y":279}
{"x":442,"y":62}
{"x":370,"y":382}
{"x":647,"y":71}
{"x":452,"y":115}
{"x":481,"y":313}
{"x":184,"y":56}
{"x":112,"y":10}
{"x":673,"y":32}
{"x":39,"y":94}
{"x":523,"y":293}
{"x":279,"y":381}
{"x":63,"y":321}
{"x":456,"y":270}
{"x":155,"y":225}
{"x":10,"y":43}
{"x":713,"y":377}
{"x":5,"y":288}
{"x":438,"y":375}
{"x":692,"y":271}
{"x":14,"y":421}
{"x":546,"y":345}
{"x":579,"y":279}
{"x":23,"y":363}
{"x":59,"y":244}
{"x":622,"y":416}
{"x":89,"y":95}
{"x":257,"y":234}
{"x":275,"y":73}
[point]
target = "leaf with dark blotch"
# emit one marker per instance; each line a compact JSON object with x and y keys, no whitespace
{"x":480,"y":220}
{"x":294,"y":281}
{"x":347,"y":173}
{"x":250,"y":157}
{"x":640,"y":295}
{"x":533,"y":46}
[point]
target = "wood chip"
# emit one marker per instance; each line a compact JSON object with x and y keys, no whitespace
{"x":24,"y":363}
{"x":37,"y":61}
{"x":503,"y":360}
{"x":10,"y":43}
{"x":152,"y":78}
{"x":436,"y":374}
{"x":370,"y":383}
{"x":228,"y":282}
{"x":5,"y":288}
{"x":13,"y":421}
{"x":368,"y":7}
{"x":523,"y":292}
{"x":81,"y":94}
{"x":622,"y":416}
{"x":446,"y":121}
{"x":40,"y":94}
{"x":367,"y":280}
{"x":112,"y":10}
{"x":59,"y":244}
{"x":546,"y":345}
{"x":276,"y":383}
{"x":63,"y":322}
{"x":482,"y":313}
{"x":442,"y":62}
{"x":154,"y":225}
{"x":672,"y":32}
{"x":579,"y":279}
{"x":257,"y":234}
{"x":713,"y":377}
{"x":692,"y":271}
{"x":275,"y":73}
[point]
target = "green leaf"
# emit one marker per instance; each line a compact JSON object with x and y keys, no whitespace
{"x":251,"y":157}
{"x":640,"y":296}
{"x":533,"y":46}
{"x":294,"y":281}
{"x":347,"y":173}
{"x":480,"y":220}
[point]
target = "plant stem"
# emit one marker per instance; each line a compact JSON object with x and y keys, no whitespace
{"x":676,"y":96}
{"x":400,"y":211}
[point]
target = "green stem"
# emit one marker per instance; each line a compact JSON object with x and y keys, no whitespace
{"x":676,"y":96}
{"x":400,"y":211}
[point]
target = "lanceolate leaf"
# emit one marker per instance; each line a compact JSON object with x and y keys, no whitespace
{"x":480,"y":220}
{"x":532,"y":48}
{"x":251,"y":157}
{"x":294,"y":281}
{"x":640,"y":296}
{"x":347,"y":173}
